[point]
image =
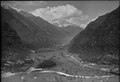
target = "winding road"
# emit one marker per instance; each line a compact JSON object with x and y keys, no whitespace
{"x":71,"y":58}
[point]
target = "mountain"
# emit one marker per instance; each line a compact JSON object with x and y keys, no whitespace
{"x":37,"y":36}
{"x":63,"y":34}
{"x":50,"y":29}
{"x":67,"y":27}
{"x":99,"y":41}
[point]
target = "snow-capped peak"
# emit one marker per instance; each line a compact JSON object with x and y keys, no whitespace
{"x":62,"y":23}
{"x":18,"y":10}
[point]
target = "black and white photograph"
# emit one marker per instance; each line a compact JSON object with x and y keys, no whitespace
{"x":60,"y":41}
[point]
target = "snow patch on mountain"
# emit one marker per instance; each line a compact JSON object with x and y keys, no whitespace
{"x":62,"y":23}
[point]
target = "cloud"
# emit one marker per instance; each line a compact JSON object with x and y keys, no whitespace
{"x":25,"y":5}
{"x":60,"y":12}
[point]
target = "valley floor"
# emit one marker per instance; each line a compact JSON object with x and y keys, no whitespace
{"x":69,"y":68}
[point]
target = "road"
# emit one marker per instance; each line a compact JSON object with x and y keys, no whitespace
{"x":72,"y":58}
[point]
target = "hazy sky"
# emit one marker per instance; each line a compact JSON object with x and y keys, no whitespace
{"x":76,"y":11}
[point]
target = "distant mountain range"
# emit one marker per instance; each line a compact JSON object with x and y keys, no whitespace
{"x":99,"y":41}
{"x":67,"y":27}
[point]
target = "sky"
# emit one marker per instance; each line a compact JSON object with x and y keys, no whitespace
{"x":76,"y":12}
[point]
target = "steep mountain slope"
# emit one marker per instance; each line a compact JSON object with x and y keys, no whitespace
{"x":13,"y":49}
{"x":50,"y":29}
{"x":28,"y":30}
{"x":99,"y":42}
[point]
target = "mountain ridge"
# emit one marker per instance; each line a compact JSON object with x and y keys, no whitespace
{"x":99,"y":38}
